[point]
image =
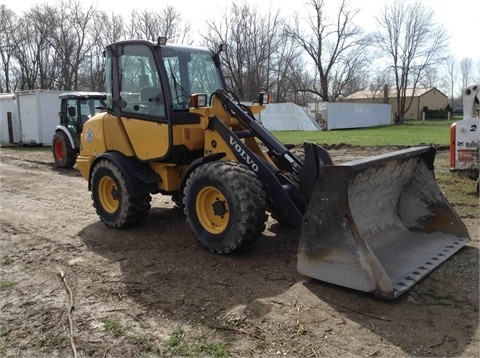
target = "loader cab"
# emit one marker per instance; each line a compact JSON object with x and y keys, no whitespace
{"x":154,"y":82}
{"x":149,"y":87}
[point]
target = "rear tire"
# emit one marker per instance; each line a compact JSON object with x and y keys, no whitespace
{"x":63,"y":153}
{"x":225,"y":205}
{"x":112,"y":199}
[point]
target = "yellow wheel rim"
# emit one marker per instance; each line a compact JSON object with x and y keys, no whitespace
{"x":212,"y":210}
{"x":108,"y":194}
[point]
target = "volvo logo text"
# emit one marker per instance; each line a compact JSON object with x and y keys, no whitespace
{"x":249,"y":161}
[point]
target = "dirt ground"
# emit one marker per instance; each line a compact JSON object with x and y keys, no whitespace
{"x":153,"y":291}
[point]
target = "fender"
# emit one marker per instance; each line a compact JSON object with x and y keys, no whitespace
{"x":140,"y":177}
{"x":67,"y":132}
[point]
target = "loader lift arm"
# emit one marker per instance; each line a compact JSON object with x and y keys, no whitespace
{"x":287,"y":161}
{"x":289,"y":186}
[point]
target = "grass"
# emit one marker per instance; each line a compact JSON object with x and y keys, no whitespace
{"x":461,"y":194}
{"x":6,"y":284}
{"x":112,"y":327}
{"x":410,"y":133}
{"x":177,"y":345}
{"x":460,"y":191}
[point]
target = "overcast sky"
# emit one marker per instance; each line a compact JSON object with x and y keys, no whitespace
{"x":461,"y":18}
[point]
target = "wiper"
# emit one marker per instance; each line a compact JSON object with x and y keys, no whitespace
{"x":178,"y":86}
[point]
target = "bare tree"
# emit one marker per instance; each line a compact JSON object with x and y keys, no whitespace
{"x":466,"y":68}
{"x":335,"y":45}
{"x":451,"y":70}
{"x":72,"y":40}
{"x":150,"y":25}
{"x":289,"y":76}
{"x":252,"y":40}
{"x":8,"y":46}
{"x":37,"y":65}
{"x":412,"y":44}
{"x":55,"y":42}
{"x":107,"y":29}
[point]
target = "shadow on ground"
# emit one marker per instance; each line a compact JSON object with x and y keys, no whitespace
{"x":165,"y":269}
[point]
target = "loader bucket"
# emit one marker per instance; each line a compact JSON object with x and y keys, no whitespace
{"x":379,"y":224}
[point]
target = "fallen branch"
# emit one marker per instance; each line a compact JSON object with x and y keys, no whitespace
{"x":299,"y":326}
{"x":69,"y":311}
{"x":313,"y":354}
{"x":439,"y":344}
{"x":248,"y":333}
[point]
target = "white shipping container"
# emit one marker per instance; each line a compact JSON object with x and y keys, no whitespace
{"x":38,"y":111}
{"x":10,"y":131}
{"x":340,"y":115}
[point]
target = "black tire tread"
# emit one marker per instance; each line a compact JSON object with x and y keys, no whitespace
{"x":249,"y":196}
{"x":133,"y":209}
{"x":70,"y":158}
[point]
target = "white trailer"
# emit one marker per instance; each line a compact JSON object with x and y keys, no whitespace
{"x":10,"y":131}
{"x":29,"y":117}
{"x":38,"y":112}
{"x":343,"y":115}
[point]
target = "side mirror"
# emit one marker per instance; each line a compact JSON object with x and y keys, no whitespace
{"x":264,"y":98}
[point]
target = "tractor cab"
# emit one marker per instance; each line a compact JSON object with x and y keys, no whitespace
{"x":78,"y":107}
{"x":75,"y":109}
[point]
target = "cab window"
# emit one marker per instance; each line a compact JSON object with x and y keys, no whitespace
{"x":140,"y":87}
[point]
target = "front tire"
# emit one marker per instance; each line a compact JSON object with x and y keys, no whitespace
{"x":112,"y":199}
{"x":225,"y":205}
{"x":63,"y":153}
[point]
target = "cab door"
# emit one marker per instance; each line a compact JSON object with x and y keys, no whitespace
{"x":140,"y":100}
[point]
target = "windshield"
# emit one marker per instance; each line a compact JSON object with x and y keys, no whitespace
{"x":190,"y":70}
{"x":90,"y":107}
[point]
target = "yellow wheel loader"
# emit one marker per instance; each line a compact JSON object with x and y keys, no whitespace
{"x":377,"y":225}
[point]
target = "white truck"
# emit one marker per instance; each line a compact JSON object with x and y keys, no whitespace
{"x":465,"y":137}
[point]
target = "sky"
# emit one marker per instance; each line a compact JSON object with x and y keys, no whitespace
{"x":460,"y":17}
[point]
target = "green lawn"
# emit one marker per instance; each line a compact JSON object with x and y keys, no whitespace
{"x":435,"y":132}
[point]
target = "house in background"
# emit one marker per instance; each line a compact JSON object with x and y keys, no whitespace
{"x":431,"y":98}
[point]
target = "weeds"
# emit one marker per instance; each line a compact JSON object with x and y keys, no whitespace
{"x":6,"y":284}
{"x":200,"y":347}
{"x":112,"y":327}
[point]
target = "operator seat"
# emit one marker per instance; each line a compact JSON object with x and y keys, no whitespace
{"x":153,"y":95}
